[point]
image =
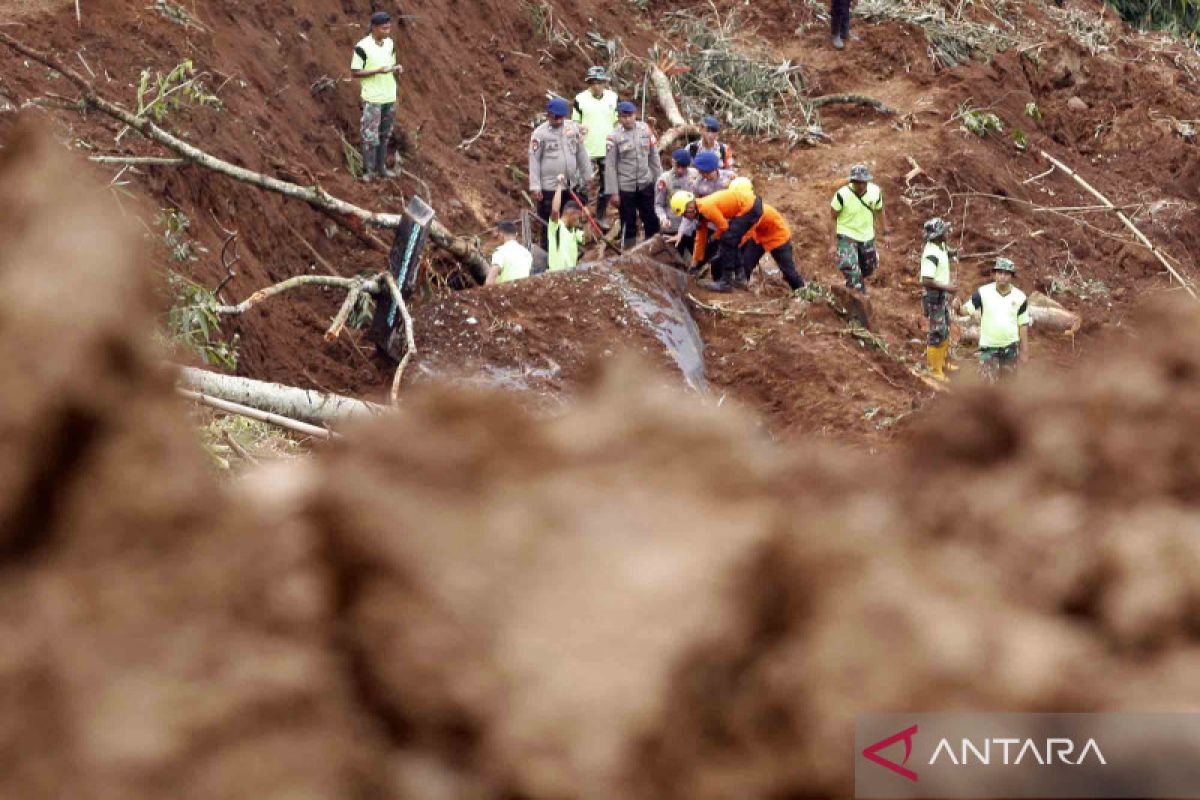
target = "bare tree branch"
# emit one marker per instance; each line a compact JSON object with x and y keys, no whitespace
{"x":463,"y":249}
{"x":410,"y":348}
{"x":335,"y":281}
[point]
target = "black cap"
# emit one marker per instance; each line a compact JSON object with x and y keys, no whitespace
{"x":507,"y":226}
{"x":380,"y":18}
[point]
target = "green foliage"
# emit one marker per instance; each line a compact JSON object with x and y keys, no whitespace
{"x":977,"y":121}
{"x":158,"y":94}
{"x":640,"y":5}
{"x":1180,"y":17}
{"x":1020,"y":140}
{"x":363,"y":312}
{"x":175,"y":225}
{"x":1033,"y":112}
{"x":193,"y":322}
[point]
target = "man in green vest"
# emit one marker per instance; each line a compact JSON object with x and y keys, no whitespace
{"x":1003,"y":322}
{"x":596,"y":112}
{"x":374,"y":64}
{"x":935,"y":301}
{"x":856,"y":208}
{"x":565,"y":236}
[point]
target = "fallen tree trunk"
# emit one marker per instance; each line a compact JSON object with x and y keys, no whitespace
{"x":1124,"y":219}
{"x":680,"y":127}
{"x":306,"y":405}
{"x":254,"y":413}
{"x":462,"y":248}
{"x":851,"y":99}
{"x":1046,"y":315}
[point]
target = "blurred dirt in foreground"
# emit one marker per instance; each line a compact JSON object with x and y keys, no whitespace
{"x":642,"y":598}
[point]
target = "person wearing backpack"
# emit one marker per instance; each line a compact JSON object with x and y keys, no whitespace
{"x":856,"y":209}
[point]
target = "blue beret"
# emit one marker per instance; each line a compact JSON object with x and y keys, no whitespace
{"x":626,"y":107}
{"x":558,"y":107}
{"x":682,"y":157}
{"x":707,"y":161}
{"x":711,"y":123}
{"x":380,"y":18}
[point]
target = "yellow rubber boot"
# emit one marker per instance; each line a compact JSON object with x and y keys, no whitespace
{"x":936,"y":358}
{"x":947,"y":364}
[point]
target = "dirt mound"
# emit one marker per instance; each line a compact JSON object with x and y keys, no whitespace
{"x":542,"y":335}
{"x":157,"y":639}
{"x":639,"y":598}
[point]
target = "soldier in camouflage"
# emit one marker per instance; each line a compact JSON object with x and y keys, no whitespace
{"x":632,"y":165}
{"x":856,"y":208}
{"x":1004,"y":321}
{"x":935,"y":301}
{"x":557,"y":148}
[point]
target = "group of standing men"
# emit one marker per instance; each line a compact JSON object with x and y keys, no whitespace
{"x":596,"y":145}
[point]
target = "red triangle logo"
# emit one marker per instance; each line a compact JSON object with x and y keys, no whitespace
{"x":872,"y":752}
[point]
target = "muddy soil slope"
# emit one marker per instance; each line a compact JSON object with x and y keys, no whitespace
{"x":639,"y":598}
{"x":1107,"y":103}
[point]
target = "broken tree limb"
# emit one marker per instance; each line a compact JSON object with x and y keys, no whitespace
{"x":339,"y":321}
{"x":463,"y":249}
{"x":680,"y":127}
{"x":851,"y":99}
{"x":410,"y":344}
{"x":466,"y":143}
{"x":316,"y":408}
{"x":292,"y":283}
{"x":1128,"y":223}
{"x":139,"y":161}
{"x":254,"y":413}
{"x":667,"y":141}
{"x":665,"y":96}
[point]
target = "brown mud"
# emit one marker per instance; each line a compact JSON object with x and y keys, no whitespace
{"x":279,"y":120}
{"x":642,"y":597}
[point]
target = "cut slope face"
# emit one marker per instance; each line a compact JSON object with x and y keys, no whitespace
{"x":641,"y":598}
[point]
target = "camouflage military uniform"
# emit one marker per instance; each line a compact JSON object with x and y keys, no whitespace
{"x":936,"y":305}
{"x":995,"y":360}
{"x":856,"y":260}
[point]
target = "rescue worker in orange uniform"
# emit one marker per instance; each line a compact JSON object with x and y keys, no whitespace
{"x":771,"y":235}
{"x":731,"y":213}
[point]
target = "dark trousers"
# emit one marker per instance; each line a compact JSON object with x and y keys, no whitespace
{"x":602,"y":193}
{"x":686,"y":245}
{"x":730,"y":243}
{"x":635,"y":204}
{"x":752,"y":253}
{"x":839,"y":18}
{"x":543,"y":210}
